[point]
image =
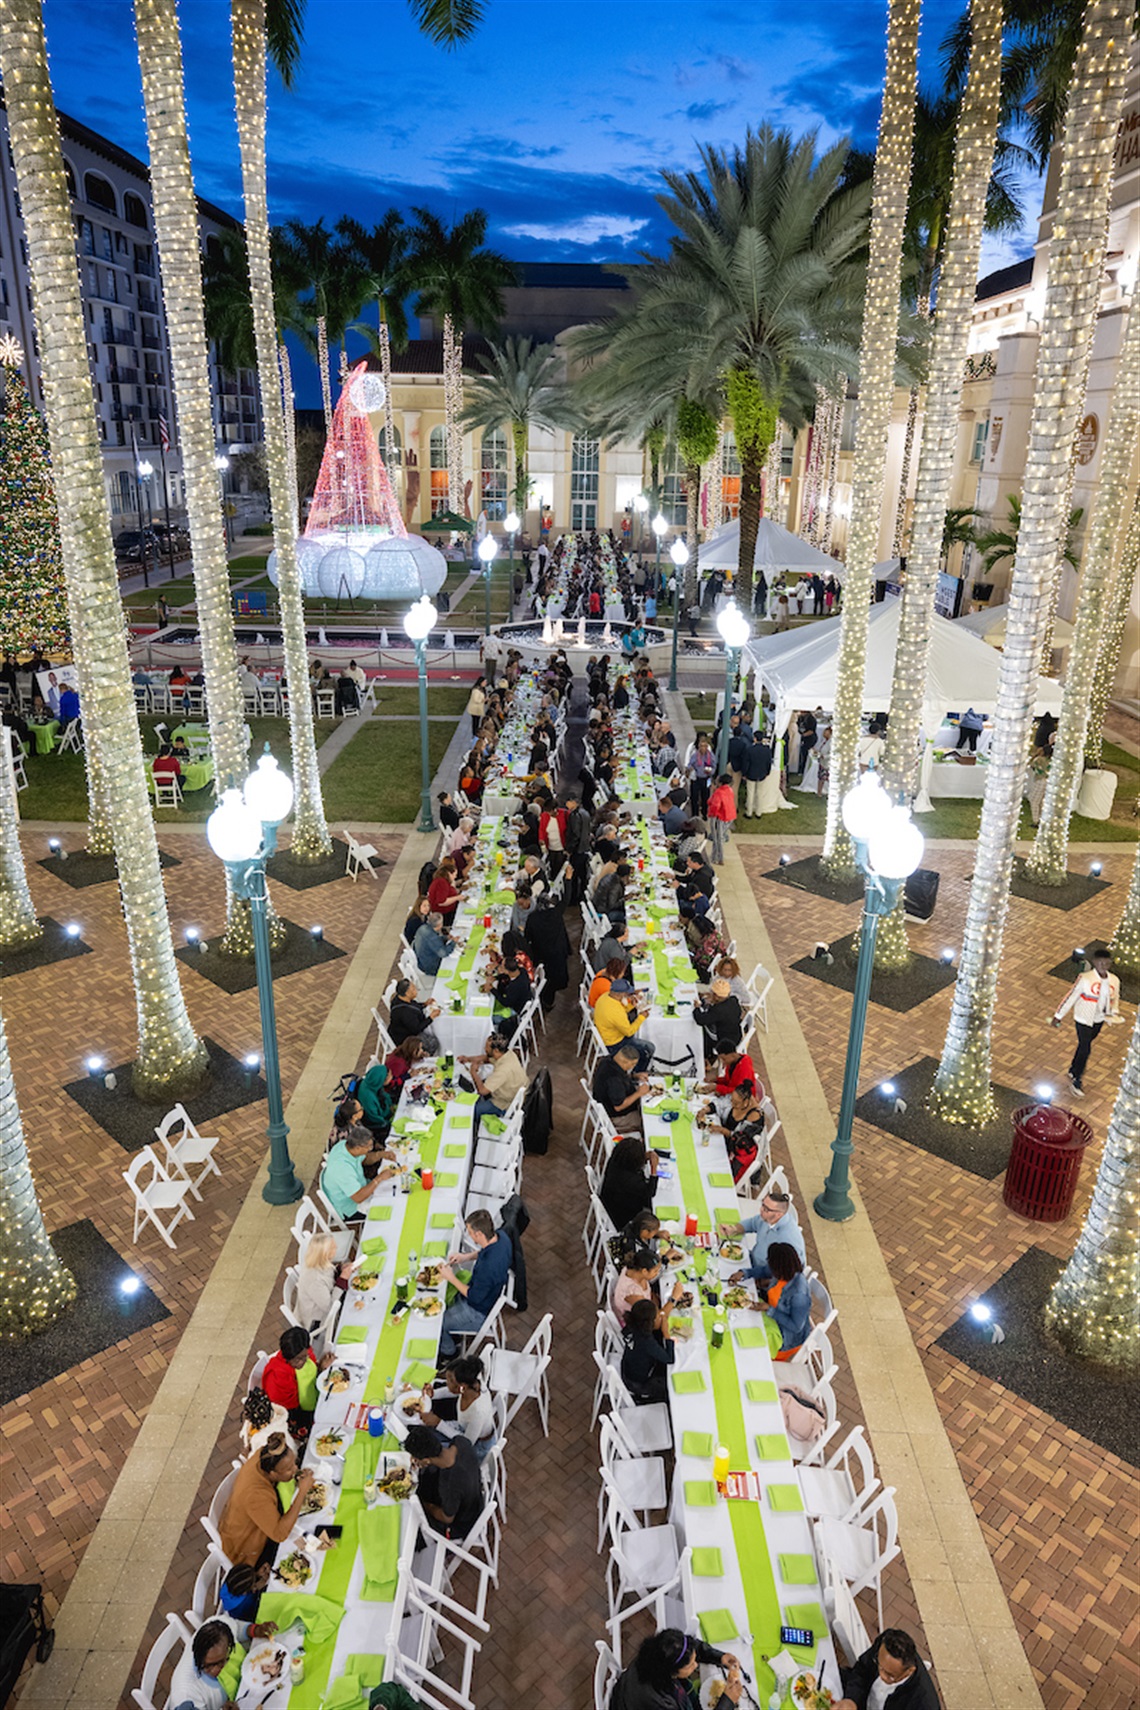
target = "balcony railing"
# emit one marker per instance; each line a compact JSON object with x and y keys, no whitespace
{"x":146,"y":268}
{"x":124,"y":376}
{"x":154,"y":377}
{"x":151,"y":341}
{"x":148,"y":305}
{"x":113,"y":334}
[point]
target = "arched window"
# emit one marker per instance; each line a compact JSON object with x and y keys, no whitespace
{"x":134,"y":211}
{"x":101,"y":194}
{"x":397,"y":457}
{"x":494,"y":471}
{"x":437,"y":460}
{"x":730,"y":480}
{"x":71,"y":187}
{"x":584,"y":483}
{"x":674,"y":489}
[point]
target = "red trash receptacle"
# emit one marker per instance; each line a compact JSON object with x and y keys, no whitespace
{"x":1041,"y":1176}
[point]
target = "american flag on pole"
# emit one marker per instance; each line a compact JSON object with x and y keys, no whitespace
{"x":163,"y":432}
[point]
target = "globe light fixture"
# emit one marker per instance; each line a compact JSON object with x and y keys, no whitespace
{"x":659,"y":526}
{"x":734,"y":629}
{"x":221,"y":462}
{"x":864,"y":806}
{"x":419,"y":621}
{"x":679,"y":553}
{"x":512,"y":522}
{"x":146,"y":470}
{"x":895,"y":845}
{"x":232,"y":830}
{"x":268,"y":791}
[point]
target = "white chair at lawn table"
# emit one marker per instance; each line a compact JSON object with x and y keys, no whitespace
{"x":189,"y":1149}
{"x":332,"y":1216}
{"x":760,"y":983}
{"x":159,"y":1194}
{"x":844,"y":1484}
{"x":325,"y":700}
{"x":269,"y":700}
{"x":167,"y":1649}
{"x":211,"y":1521}
{"x":643,"y":1430}
{"x":359,"y":858}
{"x":204,"y":1598}
{"x":522,"y":1374}
{"x":368,"y":696}
{"x":142,"y":698}
{"x":842,"y":1611}
{"x":167,"y":789}
{"x":69,"y":742}
{"x":606,"y":1671}
{"x":18,"y":768}
{"x":310,"y":1220}
{"x":159,"y":699}
{"x":639,"y":1479}
{"x":643,"y":1562}
{"x":194,"y":702}
{"x":252,"y":702}
{"x":859,"y":1549}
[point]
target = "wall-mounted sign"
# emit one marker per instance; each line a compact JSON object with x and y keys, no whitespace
{"x":1087,"y":435}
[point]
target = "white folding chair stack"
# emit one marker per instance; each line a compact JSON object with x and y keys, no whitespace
{"x":166,"y":1649}
{"x":359,"y":858}
{"x":186,"y":1150}
{"x":161,"y":1193}
{"x":522,"y":1375}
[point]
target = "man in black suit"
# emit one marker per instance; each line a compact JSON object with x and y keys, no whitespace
{"x":891,"y":1672}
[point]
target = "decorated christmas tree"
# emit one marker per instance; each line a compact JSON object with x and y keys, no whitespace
{"x":33,"y":603}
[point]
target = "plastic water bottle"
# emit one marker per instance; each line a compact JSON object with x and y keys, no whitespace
{"x":389,"y":1391}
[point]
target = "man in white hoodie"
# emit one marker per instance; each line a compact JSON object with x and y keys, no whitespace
{"x":1094,"y":998}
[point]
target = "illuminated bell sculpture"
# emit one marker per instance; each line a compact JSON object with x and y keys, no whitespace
{"x":355,"y":544}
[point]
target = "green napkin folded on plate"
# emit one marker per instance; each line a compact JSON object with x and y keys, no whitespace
{"x":726,"y":1214}
{"x":352,"y":1333}
{"x":707,"y":1564}
{"x":772,"y":1446}
{"x":374,"y":1244}
{"x":421,"y":1348}
{"x":379,"y":1213}
{"x":419,"y":1373}
{"x":797,"y":1570}
{"x":379,"y":1534}
{"x":438,"y":1250}
{"x":785,"y":1499}
{"x":700,"y":1493}
{"x":446,"y":1179}
{"x":343,"y":1693}
{"x":697,"y":1443}
{"x":717,"y":1626}
{"x":230,"y":1678}
{"x":442,"y":1220}
{"x":360,"y":1460}
{"x":750,"y":1336}
{"x":688,"y":1383}
{"x":369,"y":1670}
{"x":668,"y":1213}
{"x":321,"y":1617}
{"x":721,"y":1178}
{"x":455,"y":1151}
{"x":760,"y":1389}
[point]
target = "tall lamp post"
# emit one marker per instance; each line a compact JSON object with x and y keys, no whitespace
{"x":735,"y":630}
{"x":222,"y":464}
{"x":660,"y":528}
{"x":640,"y":506}
{"x":242,"y":832}
{"x":419,"y":621}
{"x":512,"y":522}
{"x":145,"y":471}
{"x":487,"y":549}
{"x":888,"y":848}
{"x":679,"y":553}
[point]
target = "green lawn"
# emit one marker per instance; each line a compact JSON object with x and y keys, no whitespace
{"x":952,"y":817}
{"x":449,"y":699}
{"x":377,"y":777}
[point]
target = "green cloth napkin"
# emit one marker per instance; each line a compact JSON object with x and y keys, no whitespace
{"x":760,"y":1389}
{"x":230,"y":1677}
{"x":785,"y":1499}
{"x":438,"y":1250}
{"x":700,"y":1493}
{"x":419,"y":1373}
{"x":374,"y":1244}
{"x":360,"y":1460}
{"x":717,"y":1626}
{"x":379,"y":1213}
{"x":343,"y":1693}
{"x":447,"y":1179}
{"x":320,"y":1616}
{"x":378,"y":1530}
{"x":369,"y":1670}
{"x":421,"y":1348}
{"x":707,"y":1564}
{"x":307,"y":1385}
{"x":455,"y":1151}
{"x":797,"y":1570}
{"x":688,"y":1383}
{"x":668,"y":1213}
{"x":441,"y":1220}
{"x":772,"y":1446}
{"x":697,"y":1443}
{"x":352,"y":1333}
{"x":493,"y":1125}
{"x":726,"y":1214}
{"x":750,"y":1336}
{"x":806,"y":1615}
{"x":721,"y":1178}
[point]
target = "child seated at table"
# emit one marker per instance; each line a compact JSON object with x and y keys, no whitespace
{"x":648,"y":1353}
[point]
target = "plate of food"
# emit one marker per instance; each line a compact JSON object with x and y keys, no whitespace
{"x":427,"y":1305}
{"x":737,"y":1298}
{"x":409,"y":1404}
{"x":295,"y":1571}
{"x":731,"y":1250}
{"x":329,"y":1443}
{"x":363,"y":1281}
{"x":812,"y":1697}
{"x":673,"y":1256}
{"x":268,"y":1665}
{"x":428,"y":1277}
{"x":338,"y":1379}
{"x":316,"y":1498}
{"x":396,"y":1485}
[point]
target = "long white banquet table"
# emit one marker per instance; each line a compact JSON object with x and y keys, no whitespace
{"x":753,"y":1566}
{"x":346,"y":1602}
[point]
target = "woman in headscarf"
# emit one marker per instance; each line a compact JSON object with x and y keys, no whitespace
{"x":550,"y":946}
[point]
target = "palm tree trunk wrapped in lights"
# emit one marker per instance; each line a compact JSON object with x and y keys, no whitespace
{"x":19,"y":924}
{"x":176,"y":229}
{"x":833,"y":446}
{"x":1126,"y":939}
{"x":286,"y":371}
{"x":452,"y":409}
{"x":1111,"y":640}
{"x":898,"y":544}
{"x":170,"y":1059}
{"x":973,"y":160}
{"x":323,"y":365}
{"x":961,"y":1091}
{"x":1115,"y":503}
{"x":876,"y":397}
{"x":35,"y":1289}
{"x":1092,"y":1308}
{"x":310,"y":839}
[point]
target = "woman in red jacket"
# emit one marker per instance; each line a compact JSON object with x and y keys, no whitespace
{"x":443,"y":898}
{"x":722,"y":813}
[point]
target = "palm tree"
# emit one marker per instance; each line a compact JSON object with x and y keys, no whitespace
{"x":523,"y":388}
{"x":335,"y":288}
{"x":35,"y":1289}
{"x":961,"y":1091}
{"x":997,"y":544}
{"x":876,"y":397}
{"x":1126,"y":939}
{"x":1116,"y":498}
{"x":171,"y":1059}
{"x":1092,"y":1308}
{"x":176,"y":229}
{"x":1111,"y":639}
{"x":958,"y":529}
{"x":381,"y":256}
{"x":460,"y":284}
{"x":310,"y":840}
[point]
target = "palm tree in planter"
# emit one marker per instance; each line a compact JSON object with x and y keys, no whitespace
{"x":522,"y":389}
{"x":35,"y":1289}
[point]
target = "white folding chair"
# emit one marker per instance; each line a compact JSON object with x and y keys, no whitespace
{"x":760,"y":983}
{"x":159,"y":698}
{"x":158,"y":1195}
{"x":597,"y":1232}
{"x":204,"y":1598}
{"x":643,"y":1430}
{"x":606,"y":1671}
{"x":335,"y":1221}
{"x":257,"y":1371}
{"x":384,"y":1041}
{"x":814,"y":1357}
{"x":194,"y":700}
{"x":522,"y":1375}
{"x":360,"y":857}
{"x":820,"y":1297}
{"x":862,"y":1547}
{"x":173,"y":1638}
{"x":167,"y":789}
{"x":310,"y":1220}
{"x":325,"y":702}
{"x":638,"y":1479}
{"x":18,"y":767}
{"x":269,"y":700}
{"x":69,"y":742}
{"x":492,"y":1329}
{"x":188,"y":1149}
{"x":607,"y":1353}
{"x":823,"y":1395}
{"x":843,"y":1485}
{"x":841,"y":1609}
{"x":643,"y":1562}
{"x":211,"y":1521}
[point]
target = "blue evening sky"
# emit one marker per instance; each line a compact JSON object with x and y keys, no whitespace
{"x":556,"y":119}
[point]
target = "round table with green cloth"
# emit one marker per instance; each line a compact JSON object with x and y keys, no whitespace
{"x":191,"y":733}
{"x":44,"y":735}
{"x":196,"y":774}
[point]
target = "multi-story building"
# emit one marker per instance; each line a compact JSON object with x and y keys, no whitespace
{"x":126,"y":324}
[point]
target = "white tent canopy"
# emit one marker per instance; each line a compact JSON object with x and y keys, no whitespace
{"x":799,"y":668}
{"x":989,"y":623}
{"x":776,"y":549}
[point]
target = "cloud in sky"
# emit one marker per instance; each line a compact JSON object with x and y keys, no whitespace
{"x":699,"y":112}
{"x":593,"y":229}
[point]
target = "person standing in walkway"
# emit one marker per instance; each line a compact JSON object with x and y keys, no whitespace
{"x":722,"y":814}
{"x":756,"y":763}
{"x":476,"y":706}
{"x":1094,"y":998}
{"x":700,"y":769}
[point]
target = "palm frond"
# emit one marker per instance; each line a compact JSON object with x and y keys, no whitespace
{"x":284,"y":35}
{"x":447,"y":23}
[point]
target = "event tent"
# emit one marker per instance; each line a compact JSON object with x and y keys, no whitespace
{"x":989,"y":623}
{"x":776,"y":549}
